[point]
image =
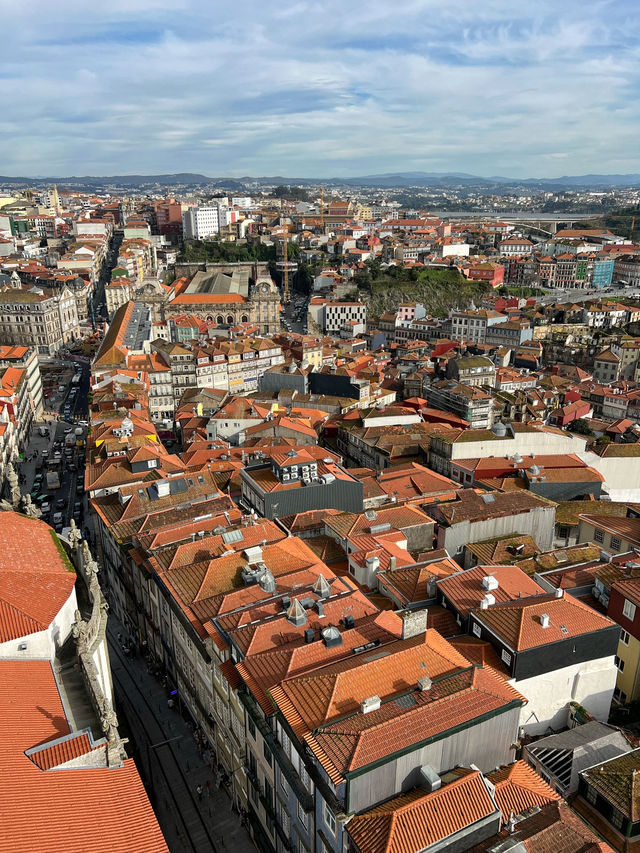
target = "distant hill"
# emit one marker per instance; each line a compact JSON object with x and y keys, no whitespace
{"x":385,"y":180}
{"x":120,"y":180}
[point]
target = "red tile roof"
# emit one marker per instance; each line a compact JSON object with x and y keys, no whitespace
{"x":104,"y":808}
{"x":518,"y":788}
{"x":35,"y":581}
{"x":465,"y":590}
{"x":518,"y":623}
{"x":323,"y":706}
{"x":416,"y":820}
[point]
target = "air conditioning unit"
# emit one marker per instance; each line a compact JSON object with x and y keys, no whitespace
{"x":285,"y":478}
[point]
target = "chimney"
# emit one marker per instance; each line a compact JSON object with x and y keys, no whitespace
{"x":559,"y":592}
{"x":424,"y":683}
{"x":490,"y":582}
{"x":309,"y":635}
{"x":392,"y":563}
{"x":414,"y":622}
{"x":544,"y":620}
{"x":372,"y":703}
{"x":163,"y":488}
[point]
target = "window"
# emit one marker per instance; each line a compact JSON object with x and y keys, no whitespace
{"x":266,"y":752}
{"x":624,"y":638}
{"x":592,"y":794}
{"x":252,"y":728}
{"x":629,"y":610}
{"x":506,"y":657}
{"x":329,"y":818}
{"x":620,"y":696}
{"x":616,"y":818}
{"x":284,"y":784}
{"x":268,"y":793}
{"x":303,"y":817}
{"x":598,"y":536}
{"x":615,"y":543}
{"x":285,"y":821}
{"x":619,"y":663}
{"x":476,"y":629}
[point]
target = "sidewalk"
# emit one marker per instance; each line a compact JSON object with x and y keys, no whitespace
{"x":180,"y":757}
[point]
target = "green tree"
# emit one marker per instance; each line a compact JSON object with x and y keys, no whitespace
{"x":581,"y":427}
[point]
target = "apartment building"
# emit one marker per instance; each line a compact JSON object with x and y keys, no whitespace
{"x":337,"y":315}
{"x":473,"y":325}
{"x":198,"y":223}
{"x":26,"y":358}
{"x":42,"y":317}
{"x":470,"y":403}
{"x":117,"y":292}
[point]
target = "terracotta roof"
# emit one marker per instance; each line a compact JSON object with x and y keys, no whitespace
{"x":44,"y":810}
{"x":518,"y":788}
{"x":625,"y":528}
{"x":416,"y":820}
{"x":518,"y":623}
{"x":323,"y":707}
{"x":411,"y":583}
{"x":35,"y":581}
{"x":465,"y":590}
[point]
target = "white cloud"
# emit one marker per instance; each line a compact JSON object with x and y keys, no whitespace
{"x":319,"y":89}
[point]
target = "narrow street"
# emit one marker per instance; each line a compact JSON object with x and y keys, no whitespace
{"x":171,"y":762}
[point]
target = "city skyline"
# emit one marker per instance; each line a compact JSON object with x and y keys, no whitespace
{"x":146,"y":87}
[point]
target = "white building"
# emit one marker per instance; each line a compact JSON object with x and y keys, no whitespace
{"x":337,"y":314}
{"x":198,"y":223}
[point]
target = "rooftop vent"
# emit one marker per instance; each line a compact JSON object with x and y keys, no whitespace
{"x":490,"y":582}
{"x":267,"y":582}
{"x":296,"y":614}
{"x":321,"y":587}
{"x":424,"y":683}
{"x":332,"y":637}
{"x":544,"y":620}
{"x":253,"y":555}
{"x":429,"y":779}
{"x":559,"y":593}
{"x":487,"y":601}
{"x":488,"y":499}
{"x":348,"y":622}
{"x":371,"y":703}
{"x":371,"y":515}
{"x":379,"y":528}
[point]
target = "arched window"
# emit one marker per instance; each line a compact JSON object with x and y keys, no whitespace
{"x":220,"y":319}
{"x":230,"y":319}
{"x":209,"y":318}
{"x":245,"y":319}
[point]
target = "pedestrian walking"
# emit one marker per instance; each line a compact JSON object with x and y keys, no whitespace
{"x":199,"y":791}
{"x":170,"y":703}
{"x":208,"y":789}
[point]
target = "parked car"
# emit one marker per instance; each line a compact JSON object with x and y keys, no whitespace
{"x":45,"y":506}
{"x":80,"y":488}
{"x":57,"y":518}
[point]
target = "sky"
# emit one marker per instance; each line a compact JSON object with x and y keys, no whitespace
{"x":319,"y":89}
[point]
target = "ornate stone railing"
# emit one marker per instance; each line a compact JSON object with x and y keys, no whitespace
{"x":90,"y":634}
